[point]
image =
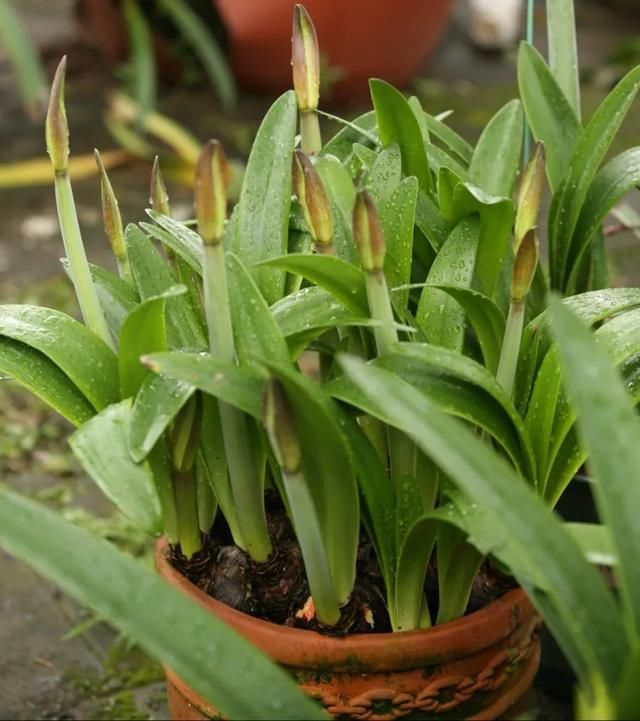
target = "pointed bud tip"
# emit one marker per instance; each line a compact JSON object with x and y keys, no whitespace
{"x":305,"y":60}
{"x":210,"y":191}
{"x":367,"y":232}
{"x":531,"y":192}
{"x":57,"y":129}
{"x":158,"y":196}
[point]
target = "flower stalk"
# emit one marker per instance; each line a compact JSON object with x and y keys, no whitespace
{"x":305,"y":61}
{"x":57,"y":138}
{"x":280,"y":424}
{"x":211,"y":185}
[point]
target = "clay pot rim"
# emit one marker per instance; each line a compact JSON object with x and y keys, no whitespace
{"x":383,"y":651}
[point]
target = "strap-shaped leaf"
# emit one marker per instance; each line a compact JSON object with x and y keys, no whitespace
{"x":117,"y":298}
{"x":341,"y":144}
{"x":563,"y":50}
{"x":343,"y":280}
{"x":42,"y":377}
{"x":439,"y":316}
{"x":506,"y":517}
{"x":609,"y":428}
{"x":153,"y":278}
{"x":612,"y":182}
{"x":255,"y":331}
{"x":102,"y":447}
{"x":78,"y":352}
{"x":549,"y":114}
{"x":385,"y":173}
{"x":178,"y":237}
{"x":239,"y":386}
{"x":589,"y":153}
{"x":496,"y":158}
{"x":261,"y":230}
{"x":398,"y":124}
{"x":167,"y":624}
{"x":452,"y":141}
{"x":397,"y":215}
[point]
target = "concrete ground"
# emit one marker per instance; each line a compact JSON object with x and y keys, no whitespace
{"x":92,"y":674}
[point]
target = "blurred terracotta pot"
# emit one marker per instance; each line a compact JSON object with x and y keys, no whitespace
{"x":478,"y":667}
{"x":360,"y":38}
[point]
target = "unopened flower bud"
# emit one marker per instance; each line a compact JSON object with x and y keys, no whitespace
{"x":212,"y":181}
{"x":312,"y":196}
{"x":158,"y":196}
{"x":305,"y":60}
{"x":530,"y":195}
{"x":524,"y":265}
{"x":279,"y":421}
{"x":111,"y":212}
{"x":57,"y":128}
{"x":367,"y":233}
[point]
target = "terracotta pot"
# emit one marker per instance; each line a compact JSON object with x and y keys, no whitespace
{"x":360,"y":38}
{"x":478,"y":667}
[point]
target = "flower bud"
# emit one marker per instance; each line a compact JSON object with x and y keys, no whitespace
{"x":158,"y":196}
{"x":312,"y":196}
{"x":524,"y":265}
{"x":367,"y":232}
{"x":530,"y":195}
{"x":212,"y":181}
{"x":279,"y":422}
{"x":305,"y":60}
{"x":57,"y":128}
{"x":111,"y":212}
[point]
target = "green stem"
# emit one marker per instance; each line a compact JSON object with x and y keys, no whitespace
{"x":381,"y":311}
{"x":207,"y":505}
{"x":187,"y":504}
{"x":310,"y":138}
{"x":307,"y":528}
{"x":246,"y":486}
{"x":161,"y":467}
{"x":78,"y":264}
{"x":511,"y":346}
{"x":455,"y":585}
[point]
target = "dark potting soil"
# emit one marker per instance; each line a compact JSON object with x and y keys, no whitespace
{"x":278,"y":591}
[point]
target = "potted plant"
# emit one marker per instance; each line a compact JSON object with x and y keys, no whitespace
{"x":190,"y":431}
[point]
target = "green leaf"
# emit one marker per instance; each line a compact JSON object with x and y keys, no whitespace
{"x":341,"y":145}
{"x":262,"y":226}
{"x":550,"y":116}
{"x":24,"y":58}
{"x":439,"y":158}
{"x":153,"y":278}
{"x":496,"y":158}
{"x":239,"y":386}
{"x":487,"y":321}
{"x":143,"y":331}
{"x":589,"y":153}
{"x":178,"y":237}
{"x":609,"y":428}
{"x":255,"y":331}
{"x":430,"y":220}
{"x":43,"y":378}
{"x":506,"y":517}
{"x":204,"y":45}
{"x":155,"y":406}
{"x":398,"y":124}
{"x":102,"y":447}
{"x":330,"y":474}
{"x":453,"y":142}
{"x":117,"y":298}
{"x":563,"y":50}
{"x":595,"y":541}
{"x":397,"y":215}
{"x":343,"y":280}
{"x":614,"y":180}
{"x":168,"y":625}
{"x":78,"y":352}
{"x":142,"y":57}
{"x":439,"y":316}
{"x":385,"y":173}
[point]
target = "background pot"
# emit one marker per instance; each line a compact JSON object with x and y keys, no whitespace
{"x":480,"y":666}
{"x":361,"y":38}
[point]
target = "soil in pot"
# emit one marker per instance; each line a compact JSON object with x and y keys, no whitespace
{"x":277,"y":591}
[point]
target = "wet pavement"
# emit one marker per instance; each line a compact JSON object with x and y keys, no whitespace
{"x":41,"y":675}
